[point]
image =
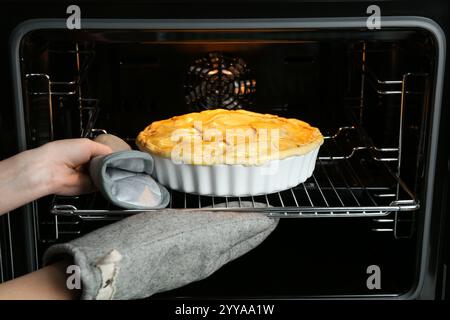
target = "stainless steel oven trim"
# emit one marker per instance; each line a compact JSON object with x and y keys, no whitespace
{"x":423,"y":289}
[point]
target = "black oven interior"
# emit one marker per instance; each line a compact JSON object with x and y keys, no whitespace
{"x":369,"y":93}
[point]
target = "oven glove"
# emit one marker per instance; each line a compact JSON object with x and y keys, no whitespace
{"x":152,"y":252}
{"x":124,"y":178}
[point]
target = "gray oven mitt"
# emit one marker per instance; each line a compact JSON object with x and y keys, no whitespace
{"x":124,"y":178}
{"x":157,"y":251}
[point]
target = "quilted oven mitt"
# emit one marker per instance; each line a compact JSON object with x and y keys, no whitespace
{"x":124,"y":176}
{"x":157,"y":251}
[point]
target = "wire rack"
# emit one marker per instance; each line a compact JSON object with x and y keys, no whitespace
{"x":343,"y":185}
{"x":41,"y":87}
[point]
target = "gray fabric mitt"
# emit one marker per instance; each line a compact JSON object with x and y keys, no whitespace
{"x":153,"y":252}
{"x":124,"y":178}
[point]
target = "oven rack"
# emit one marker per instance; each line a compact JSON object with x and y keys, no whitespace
{"x":400,"y":87}
{"x":403,"y":86}
{"x":42,"y":87}
{"x":343,"y":185}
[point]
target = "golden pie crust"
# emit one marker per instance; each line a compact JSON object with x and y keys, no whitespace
{"x":229,"y":137}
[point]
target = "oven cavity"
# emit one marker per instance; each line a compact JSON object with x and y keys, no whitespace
{"x":369,"y":94}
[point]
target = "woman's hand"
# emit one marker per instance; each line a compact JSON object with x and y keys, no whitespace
{"x":55,"y":168}
{"x":64,"y":163}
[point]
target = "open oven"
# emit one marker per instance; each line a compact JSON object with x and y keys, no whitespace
{"x":376,"y":95}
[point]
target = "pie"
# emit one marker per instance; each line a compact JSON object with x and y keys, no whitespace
{"x":231,"y":137}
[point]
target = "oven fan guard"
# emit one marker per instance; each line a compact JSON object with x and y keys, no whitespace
{"x":219,"y":81}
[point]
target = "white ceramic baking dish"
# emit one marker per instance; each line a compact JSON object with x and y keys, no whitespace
{"x":235,"y":180}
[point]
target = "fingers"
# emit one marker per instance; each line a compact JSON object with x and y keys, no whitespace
{"x":81,"y":151}
{"x":66,"y":161}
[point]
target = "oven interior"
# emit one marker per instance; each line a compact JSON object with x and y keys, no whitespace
{"x":369,"y":92}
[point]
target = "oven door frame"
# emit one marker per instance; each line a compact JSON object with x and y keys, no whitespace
{"x":426,"y":283}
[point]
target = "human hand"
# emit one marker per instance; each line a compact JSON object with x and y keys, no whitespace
{"x":61,"y":165}
{"x":55,"y":168}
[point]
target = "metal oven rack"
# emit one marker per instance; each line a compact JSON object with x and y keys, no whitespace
{"x":342,"y":186}
{"x":410,"y":84}
{"x":42,"y":87}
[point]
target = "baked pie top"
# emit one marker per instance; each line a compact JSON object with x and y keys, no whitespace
{"x":228,"y":137}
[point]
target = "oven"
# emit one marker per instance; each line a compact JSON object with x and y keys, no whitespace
{"x":371,"y":220}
